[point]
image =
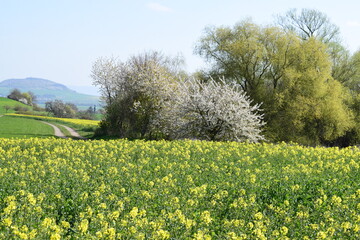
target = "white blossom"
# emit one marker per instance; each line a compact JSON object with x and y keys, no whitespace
{"x":212,"y":111}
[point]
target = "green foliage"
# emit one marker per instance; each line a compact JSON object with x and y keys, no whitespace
{"x":310,"y":106}
{"x":353,"y":66}
{"x":15,"y":95}
{"x":291,"y":77}
{"x":27,"y":98}
{"x":61,"y":109}
{"x":345,"y":67}
{"x":236,"y":54}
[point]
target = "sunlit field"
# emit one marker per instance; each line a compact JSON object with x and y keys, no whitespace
{"x":119,"y":189}
{"x":5,"y":102}
{"x":84,"y":127}
{"x":11,"y":126}
{"x":79,"y":122}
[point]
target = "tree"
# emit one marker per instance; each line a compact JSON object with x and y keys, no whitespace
{"x":235,"y":54}
{"x":87,"y":114}
{"x":214,"y":111}
{"x":309,"y":23}
{"x":348,"y":71}
{"x":20,"y":108}
{"x":15,"y":94}
{"x":7,"y":108}
{"x":27,"y":98}
{"x":254,"y":57}
{"x":290,"y":76}
{"x":310,"y":106}
{"x":108,"y":73}
{"x":33,"y":97}
{"x":134,"y":92}
{"x":346,"y":67}
{"x":60,"y":109}
{"x":314,"y":24}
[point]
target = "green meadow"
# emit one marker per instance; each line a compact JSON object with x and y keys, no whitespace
{"x":23,"y":128}
{"x":11,"y":103}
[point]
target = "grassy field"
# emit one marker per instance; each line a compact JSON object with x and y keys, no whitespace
{"x":8,"y":102}
{"x":66,"y":189}
{"x":20,"y":127}
{"x":28,"y":126}
{"x":84,"y":127}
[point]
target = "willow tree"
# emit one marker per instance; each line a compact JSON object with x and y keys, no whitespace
{"x":310,"y":23}
{"x":254,"y":57}
{"x":290,"y":76}
{"x":310,"y":107}
{"x":237,"y":55}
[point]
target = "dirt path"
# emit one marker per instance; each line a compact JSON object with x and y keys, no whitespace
{"x":72,"y":132}
{"x":57,"y":131}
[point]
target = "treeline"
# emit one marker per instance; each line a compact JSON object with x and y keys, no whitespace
{"x":150,"y":97}
{"x":297,"y":70}
{"x":56,"y":108}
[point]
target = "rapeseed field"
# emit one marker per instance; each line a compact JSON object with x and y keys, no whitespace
{"x":120,"y":189}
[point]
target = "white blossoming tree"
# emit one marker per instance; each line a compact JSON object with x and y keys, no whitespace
{"x":134,"y":92}
{"x":212,"y":111}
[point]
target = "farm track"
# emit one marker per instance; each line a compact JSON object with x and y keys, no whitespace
{"x":60,"y":134}
{"x":72,"y":132}
{"x":57,"y":131}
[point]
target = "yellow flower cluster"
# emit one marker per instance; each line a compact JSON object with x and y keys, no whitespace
{"x":119,"y":189}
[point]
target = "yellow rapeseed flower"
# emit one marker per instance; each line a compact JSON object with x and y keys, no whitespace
{"x":284,"y":230}
{"x":205,"y":217}
{"x":321,"y":235}
{"x":55,"y":236}
{"x":83,"y":227}
{"x":161,"y":234}
{"x":134,"y":212}
{"x":7,"y":222}
{"x":258,"y":216}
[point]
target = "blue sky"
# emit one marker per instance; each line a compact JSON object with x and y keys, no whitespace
{"x":60,"y":39}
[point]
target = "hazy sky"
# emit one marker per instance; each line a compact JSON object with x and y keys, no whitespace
{"x":60,"y":39}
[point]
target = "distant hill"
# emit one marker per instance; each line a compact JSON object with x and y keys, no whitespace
{"x":47,"y":90}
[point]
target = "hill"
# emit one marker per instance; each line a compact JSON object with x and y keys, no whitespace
{"x":11,"y":103}
{"x":47,"y":90}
